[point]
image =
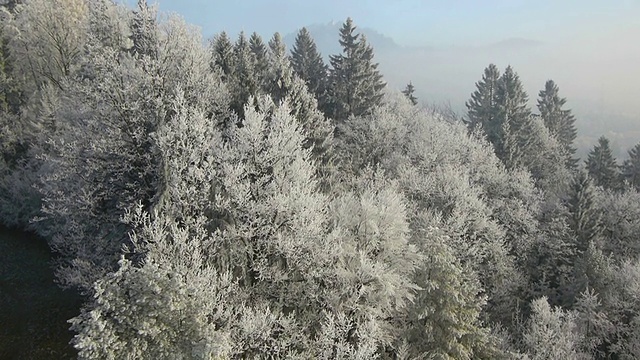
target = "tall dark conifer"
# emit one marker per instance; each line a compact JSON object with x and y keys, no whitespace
{"x":560,"y":122}
{"x":483,"y":107}
{"x":224,"y":55}
{"x":631,"y":168}
{"x":308,"y":65}
{"x":356,"y":85}
{"x":602,"y":166}
{"x":408,"y":92}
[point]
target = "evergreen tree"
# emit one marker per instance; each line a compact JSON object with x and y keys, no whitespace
{"x":584,"y":219}
{"x":551,"y":333}
{"x":408,"y":92}
{"x":355,"y":83}
{"x":631,"y":168}
{"x":144,"y":30}
{"x":514,"y":143}
{"x":602,"y":166}
{"x":245,"y":82}
{"x":483,"y":106}
{"x":260,"y":61}
{"x":308,"y":65}
{"x":224,"y":55}
{"x":560,"y":122}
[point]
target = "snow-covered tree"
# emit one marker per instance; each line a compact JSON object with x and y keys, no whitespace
{"x":551,"y":333}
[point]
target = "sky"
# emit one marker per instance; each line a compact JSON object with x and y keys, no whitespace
{"x":416,"y":22}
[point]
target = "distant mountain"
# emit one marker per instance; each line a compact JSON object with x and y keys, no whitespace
{"x":326,"y":37}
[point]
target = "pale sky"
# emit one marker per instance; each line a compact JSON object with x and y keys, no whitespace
{"x":416,"y":22}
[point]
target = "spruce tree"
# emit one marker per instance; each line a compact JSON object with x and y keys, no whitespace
{"x":560,"y":122}
{"x":584,"y":219}
{"x":308,"y":65}
{"x":223,"y":55}
{"x":631,"y":168}
{"x":144,"y":30}
{"x":602,"y":166}
{"x":259,"y":51}
{"x":483,"y":106}
{"x":408,"y":92}
{"x":245,"y":82}
{"x":512,"y":140}
{"x":356,"y":84}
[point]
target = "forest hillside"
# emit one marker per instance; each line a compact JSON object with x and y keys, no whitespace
{"x":232,"y":198}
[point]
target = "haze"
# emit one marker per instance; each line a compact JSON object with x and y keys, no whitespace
{"x":591,"y":49}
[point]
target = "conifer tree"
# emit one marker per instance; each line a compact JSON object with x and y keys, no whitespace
{"x":245,"y":82}
{"x":259,"y":51}
{"x":483,"y":106}
{"x":560,"y":122}
{"x":631,"y":168}
{"x":584,"y":219}
{"x":602,"y":166}
{"x":355,"y":83}
{"x":514,"y":142}
{"x":308,"y":65}
{"x":143,"y":27}
{"x":408,"y":92}
{"x":224,"y":55}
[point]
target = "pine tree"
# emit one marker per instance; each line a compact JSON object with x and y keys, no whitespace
{"x":560,"y":122}
{"x":631,"y":168}
{"x":602,"y":166}
{"x":355,"y":83}
{"x":408,"y":92}
{"x":308,"y":65}
{"x":483,"y":106}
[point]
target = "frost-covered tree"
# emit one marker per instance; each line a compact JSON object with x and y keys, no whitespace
{"x":444,"y":320}
{"x":483,"y":106}
{"x":245,"y":83}
{"x":584,"y":218}
{"x":408,"y":92}
{"x":551,"y":333}
{"x":513,"y":141}
{"x":560,"y":122}
{"x":308,"y":65}
{"x":46,"y":40}
{"x":631,"y":168}
{"x":144,"y":30}
{"x":602,"y":166}
{"x":356,"y":85}
{"x":105,"y":156}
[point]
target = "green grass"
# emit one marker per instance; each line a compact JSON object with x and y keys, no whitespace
{"x":33,"y":309}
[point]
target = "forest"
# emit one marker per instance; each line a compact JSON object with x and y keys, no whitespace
{"x":234,"y":199}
